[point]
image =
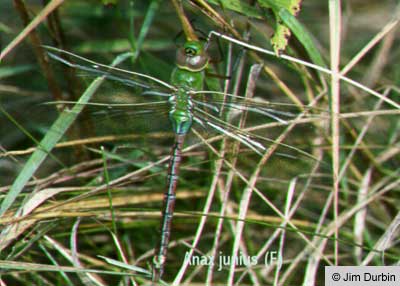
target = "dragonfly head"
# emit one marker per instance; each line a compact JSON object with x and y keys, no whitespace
{"x":192,"y":56}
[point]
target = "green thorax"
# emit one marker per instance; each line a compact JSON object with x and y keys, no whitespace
{"x":191,"y":60}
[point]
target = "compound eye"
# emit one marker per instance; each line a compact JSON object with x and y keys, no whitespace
{"x":191,"y":57}
{"x":190,"y":52}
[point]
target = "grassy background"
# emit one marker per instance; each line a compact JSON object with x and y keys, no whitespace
{"x":339,"y":207}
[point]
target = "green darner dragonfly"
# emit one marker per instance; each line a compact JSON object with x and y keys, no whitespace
{"x":185,"y":108}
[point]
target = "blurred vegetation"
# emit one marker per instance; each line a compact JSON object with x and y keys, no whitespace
{"x":79,"y":206}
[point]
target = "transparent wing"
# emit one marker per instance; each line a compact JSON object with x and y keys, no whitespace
{"x":126,"y":101}
{"x":125,"y":77}
{"x":256,"y":123}
{"x":122,"y":117}
{"x":233,"y":105}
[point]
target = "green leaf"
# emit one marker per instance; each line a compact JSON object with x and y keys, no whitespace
{"x":282,"y":33}
{"x":239,"y":7}
{"x":303,"y":36}
{"x":109,"y":2}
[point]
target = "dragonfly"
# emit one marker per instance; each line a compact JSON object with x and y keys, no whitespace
{"x":186,"y":84}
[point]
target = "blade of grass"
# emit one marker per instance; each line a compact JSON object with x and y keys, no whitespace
{"x":360,"y":218}
{"x":148,"y":19}
{"x":64,"y":275}
{"x":15,"y":70}
{"x":107,"y":181}
{"x":55,"y":133}
{"x":125,"y":265}
{"x":89,"y":279}
{"x":288,"y":208}
{"x":33,"y":267}
{"x":335,"y":23}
